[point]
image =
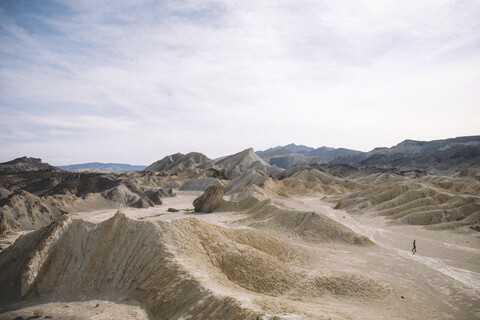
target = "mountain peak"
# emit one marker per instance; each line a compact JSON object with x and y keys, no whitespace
{"x":243,"y":161}
{"x":298,"y":148}
{"x":245,"y":157}
{"x":178,"y":162}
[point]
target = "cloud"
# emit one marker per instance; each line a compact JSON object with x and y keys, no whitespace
{"x":217,"y":77}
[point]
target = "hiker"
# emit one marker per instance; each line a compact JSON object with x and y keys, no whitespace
{"x":414,"y":247}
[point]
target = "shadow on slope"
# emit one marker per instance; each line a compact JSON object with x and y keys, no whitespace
{"x":182,"y":268}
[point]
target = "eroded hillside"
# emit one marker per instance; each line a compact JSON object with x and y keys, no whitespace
{"x":240,"y":239}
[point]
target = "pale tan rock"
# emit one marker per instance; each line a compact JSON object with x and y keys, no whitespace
{"x":212,"y":199}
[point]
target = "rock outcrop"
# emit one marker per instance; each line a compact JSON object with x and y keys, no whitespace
{"x":211,"y":200}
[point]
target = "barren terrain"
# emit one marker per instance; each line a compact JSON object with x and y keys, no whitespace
{"x":379,"y":281}
{"x":238,"y":239}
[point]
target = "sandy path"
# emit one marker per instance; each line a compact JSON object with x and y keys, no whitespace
{"x":447,"y":262}
{"x":182,"y":202}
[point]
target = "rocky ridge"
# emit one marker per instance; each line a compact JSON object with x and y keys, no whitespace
{"x":178,"y":163}
{"x":25,"y":164}
{"x":32,"y":199}
{"x":236,"y":164}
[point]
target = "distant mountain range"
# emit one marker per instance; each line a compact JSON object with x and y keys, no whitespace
{"x":293,"y":155}
{"x":437,"y":154}
{"x":409,"y":154}
{"x":461,"y":152}
{"x":103,"y":166}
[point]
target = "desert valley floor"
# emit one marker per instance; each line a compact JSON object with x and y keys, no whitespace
{"x":383,"y":280}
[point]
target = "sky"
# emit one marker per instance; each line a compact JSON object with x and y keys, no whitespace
{"x":134,"y":81}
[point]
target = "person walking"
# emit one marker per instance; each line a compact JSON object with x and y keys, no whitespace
{"x":414,"y":247}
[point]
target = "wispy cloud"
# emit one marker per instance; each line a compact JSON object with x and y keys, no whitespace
{"x":216,"y":76}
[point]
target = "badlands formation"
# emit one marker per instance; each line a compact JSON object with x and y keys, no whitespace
{"x":191,"y":238}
